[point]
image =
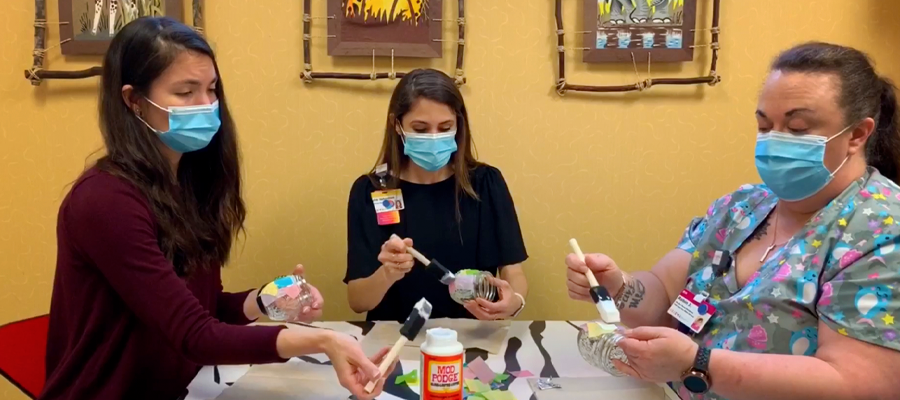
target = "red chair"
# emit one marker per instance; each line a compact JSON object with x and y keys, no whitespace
{"x":23,"y":347}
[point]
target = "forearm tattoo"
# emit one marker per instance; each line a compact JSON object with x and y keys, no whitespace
{"x":631,"y":294}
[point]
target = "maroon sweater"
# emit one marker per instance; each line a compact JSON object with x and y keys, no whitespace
{"x":123,"y":325}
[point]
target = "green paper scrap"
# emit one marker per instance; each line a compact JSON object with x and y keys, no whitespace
{"x":499,"y":395}
{"x":411,"y":378}
{"x":475,"y":386}
{"x":476,"y":396}
{"x":500,"y":378}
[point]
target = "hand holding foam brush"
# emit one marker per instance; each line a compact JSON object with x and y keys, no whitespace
{"x":599,"y":294}
{"x":437,"y":269}
{"x":410,"y":329}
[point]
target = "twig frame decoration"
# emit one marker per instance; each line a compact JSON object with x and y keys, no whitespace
{"x":563,"y":86}
{"x":308,"y":76}
{"x":36,"y":74}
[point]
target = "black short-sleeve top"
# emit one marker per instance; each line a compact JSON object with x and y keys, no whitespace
{"x":486,"y":237}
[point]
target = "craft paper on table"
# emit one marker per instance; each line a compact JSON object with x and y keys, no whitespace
{"x":499,"y":395}
{"x":605,"y":387}
{"x":500,"y":378}
{"x":521,"y":374}
{"x":468,"y":374}
{"x":412,"y":378}
{"x":486,"y":335}
{"x":294,"y":380}
{"x":476,"y":386}
{"x":482,"y":371}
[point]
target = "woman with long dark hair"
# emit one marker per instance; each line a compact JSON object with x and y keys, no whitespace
{"x":137,"y":302}
{"x":457,"y":210}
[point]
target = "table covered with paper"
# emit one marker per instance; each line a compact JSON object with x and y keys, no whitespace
{"x":504,"y":360}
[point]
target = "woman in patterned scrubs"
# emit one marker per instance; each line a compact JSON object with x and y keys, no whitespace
{"x":808,"y":300}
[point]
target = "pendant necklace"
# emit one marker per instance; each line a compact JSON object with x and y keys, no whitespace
{"x":772,"y":246}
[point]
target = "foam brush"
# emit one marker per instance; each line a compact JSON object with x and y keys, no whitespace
{"x":410,"y":329}
{"x":605,"y":304}
{"x":437,"y":269}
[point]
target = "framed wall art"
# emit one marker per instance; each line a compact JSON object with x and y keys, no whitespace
{"x":621,"y":31}
{"x":85,"y":29}
{"x":92,"y":23}
{"x":616,"y":29}
{"x":383,"y":28}
{"x":406,"y":28}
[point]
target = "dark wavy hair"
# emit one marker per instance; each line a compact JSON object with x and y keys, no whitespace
{"x":436,"y":86}
{"x":198,"y":209}
{"x":863,"y":93}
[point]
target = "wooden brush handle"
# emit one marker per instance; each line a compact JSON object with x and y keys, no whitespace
{"x":388,"y":360}
{"x":589,"y":275}
{"x":418,"y":256}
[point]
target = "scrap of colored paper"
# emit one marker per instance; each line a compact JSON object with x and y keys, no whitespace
{"x":522,"y":374}
{"x":411,"y":378}
{"x":475,"y":386}
{"x":482,"y":371}
{"x":500,"y":378}
{"x":596,"y":329}
{"x":468,"y":374}
{"x":499,"y":395}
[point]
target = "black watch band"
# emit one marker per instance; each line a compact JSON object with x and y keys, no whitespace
{"x":259,"y":303}
{"x":701,"y":363}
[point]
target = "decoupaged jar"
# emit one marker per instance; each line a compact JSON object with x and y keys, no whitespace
{"x":471,"y":284}
{"x":600,"y":348}
{"x":284,"y":298}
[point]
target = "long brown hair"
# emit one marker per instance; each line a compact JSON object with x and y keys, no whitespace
{"x":436,"y":86}
{"x":198,"y":209}
{"x":863,"y":93}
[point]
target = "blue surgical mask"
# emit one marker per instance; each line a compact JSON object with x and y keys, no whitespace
{"x":191,"y":128}
{"x":793,"y":166}
{"x":429,"y":151}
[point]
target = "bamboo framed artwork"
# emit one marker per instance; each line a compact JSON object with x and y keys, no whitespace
{"x":669,"y":38}
{"x":383,"y":28}
{"x":409,"y":28}
{"x":86,"y":26}
{"x":618,"y":29}
{"x":93,"y":23}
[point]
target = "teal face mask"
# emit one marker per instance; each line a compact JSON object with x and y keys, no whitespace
{"x":429,"y":151}
{"x":191,"y":128}
{"x":793,"y":166}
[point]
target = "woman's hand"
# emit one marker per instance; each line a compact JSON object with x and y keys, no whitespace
{"x":604,"y":269}
{"x":314,"y":311}
{"x":656,"y":354}
{"x":395,"y":261}
{"x":506,"y":305}
{"x":354,"y":370}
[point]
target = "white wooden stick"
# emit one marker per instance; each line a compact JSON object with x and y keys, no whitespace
{"x":608,"y":311}
{"x":590,"y":276}
{"x":388,"y":360}
{"x":418,"y":256}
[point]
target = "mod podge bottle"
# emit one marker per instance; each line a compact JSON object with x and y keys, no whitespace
{"x":441,"y":364}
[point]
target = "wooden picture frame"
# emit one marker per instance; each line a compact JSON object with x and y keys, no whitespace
{"x":309,"y":76}
{"x":713,"y":78}
{"x":618,"y":29}
{"x":36,"y":74}
{"x":411,"y":30}
{"x":86,"y":34}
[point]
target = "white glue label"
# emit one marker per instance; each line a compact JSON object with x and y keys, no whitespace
{"x":444,"y":380}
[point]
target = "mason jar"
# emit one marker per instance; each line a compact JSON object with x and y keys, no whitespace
{"x":599,"y":351}
{"x":471,"y":284}
{"x":285,"y":298}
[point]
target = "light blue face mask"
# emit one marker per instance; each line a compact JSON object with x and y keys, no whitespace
{"x":191,"y":128}
{"x":429,"y":151}
{"x":793,"y":165}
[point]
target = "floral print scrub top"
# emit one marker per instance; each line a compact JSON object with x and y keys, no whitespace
{"x":843,"y":268}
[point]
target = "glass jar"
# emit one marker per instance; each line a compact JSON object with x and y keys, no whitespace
{"x":600,"y":350}
{"x":284,"y":298}
{"x":471,"y":284}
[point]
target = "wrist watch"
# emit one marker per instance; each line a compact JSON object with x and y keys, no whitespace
{"x":522,"y":307}
{"x":696,"y":379}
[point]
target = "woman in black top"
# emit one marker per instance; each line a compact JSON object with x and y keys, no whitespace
{"x":458,"y":211}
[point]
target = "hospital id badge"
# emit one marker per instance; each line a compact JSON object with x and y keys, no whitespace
{"x":692,"y":310}
{"x":388,"y":204}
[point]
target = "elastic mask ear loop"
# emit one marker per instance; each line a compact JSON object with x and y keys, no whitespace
{"x":845,"y":158}
{"x":839,"y":133}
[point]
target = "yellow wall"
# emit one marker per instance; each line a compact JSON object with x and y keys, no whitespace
{"x":622,"y":173}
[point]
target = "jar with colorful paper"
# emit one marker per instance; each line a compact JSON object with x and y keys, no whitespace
{"x":471,"y":284}
{"x":284,"y":298}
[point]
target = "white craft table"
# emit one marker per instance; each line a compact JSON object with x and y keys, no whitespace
{"x":546,"y":349}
